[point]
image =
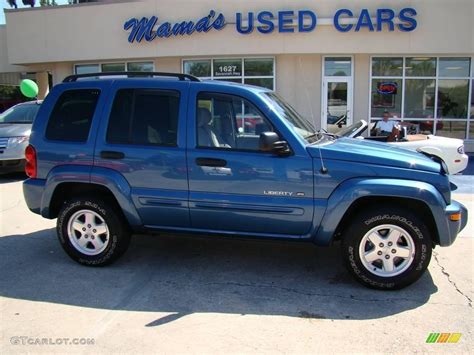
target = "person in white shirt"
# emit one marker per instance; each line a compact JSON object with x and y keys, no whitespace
{"x":385,"y":126}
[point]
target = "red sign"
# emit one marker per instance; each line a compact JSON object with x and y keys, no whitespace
{"x":387,"y":88}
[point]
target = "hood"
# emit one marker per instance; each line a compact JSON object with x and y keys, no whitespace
{"x":15,"y":129}
{"x":362,"y":151}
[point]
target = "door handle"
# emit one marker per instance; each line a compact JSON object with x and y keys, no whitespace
{"x":108,"y":154}
{"x":216,"y":163}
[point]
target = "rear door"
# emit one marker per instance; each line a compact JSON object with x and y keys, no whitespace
{"x":143,"y":137}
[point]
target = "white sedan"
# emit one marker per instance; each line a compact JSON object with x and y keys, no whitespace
{"x":450,"y":150}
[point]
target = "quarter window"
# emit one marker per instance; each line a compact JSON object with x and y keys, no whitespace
{"x":72,"y":115}
{"x":145,"y":117}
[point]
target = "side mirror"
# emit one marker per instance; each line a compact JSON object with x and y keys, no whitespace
{"x":270,"y":142}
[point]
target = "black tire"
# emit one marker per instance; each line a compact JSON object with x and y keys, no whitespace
{"x":119,"y":234}
{"x":364,"y":223}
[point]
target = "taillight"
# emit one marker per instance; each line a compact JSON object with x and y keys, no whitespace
{"x":30,"y":166}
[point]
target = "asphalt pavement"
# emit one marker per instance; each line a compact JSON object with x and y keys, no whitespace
{"x":210,"y":295}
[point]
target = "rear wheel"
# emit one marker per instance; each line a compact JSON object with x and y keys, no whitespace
{"x":91,"y":232}
{"x":388,"y":248}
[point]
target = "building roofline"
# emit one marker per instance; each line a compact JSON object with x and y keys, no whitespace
{"x":101,"y":2}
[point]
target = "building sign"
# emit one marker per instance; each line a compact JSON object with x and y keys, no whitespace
{"x":387,"y":88}
{"x":344,"y":20}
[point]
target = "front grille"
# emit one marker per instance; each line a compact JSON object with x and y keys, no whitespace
{"x":3,"y":143}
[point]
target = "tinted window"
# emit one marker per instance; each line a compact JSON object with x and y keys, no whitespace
{"x":20,"y":114}
{"x":72,"y":115}
{"x":144,"y":117}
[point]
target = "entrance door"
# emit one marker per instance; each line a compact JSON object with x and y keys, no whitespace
{"x":337,"y":103}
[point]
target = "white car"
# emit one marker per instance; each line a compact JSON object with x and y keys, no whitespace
{"x":450,"y":150}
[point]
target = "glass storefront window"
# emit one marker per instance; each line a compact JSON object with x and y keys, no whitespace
{"x":386,"y":96}
{"x":420,"y":66}
{"x":87,"y":68}
{"x":454,"y":67}
{"x":386,"y":66}
{"x":453,"y":98}
{"x":451,"y":129}
{"x":262,"y":82}
{"x":337,"y":66}
{"x":111,"y":67}
{"x":199,"y":68}
{"x":238,"y":81}
{"x":227,"y":67}
{"x":252,"y":71}
{"x":419,"y":98}
{"x":419,"y":126}
{"x":258,"y":67}
{"x":472,"y":99}
{"x":438,"y":93}
{"x":140,"y":66}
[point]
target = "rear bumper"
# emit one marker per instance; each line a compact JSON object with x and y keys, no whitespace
{"x":33,"y":192}
{"x":453,"y":227}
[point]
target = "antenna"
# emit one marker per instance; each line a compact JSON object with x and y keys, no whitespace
{"x":323,"y":169}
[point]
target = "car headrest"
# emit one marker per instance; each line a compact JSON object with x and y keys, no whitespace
{"x":204,"y":117}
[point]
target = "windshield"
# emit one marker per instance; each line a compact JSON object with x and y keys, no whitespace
{"x":350,"y":130}
{"x":19,"y":114}
{"x":303,"y":128}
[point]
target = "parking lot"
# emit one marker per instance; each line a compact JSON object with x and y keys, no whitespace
{"x":201,"y":295}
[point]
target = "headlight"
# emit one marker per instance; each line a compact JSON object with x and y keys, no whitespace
{"x":461,"y":149}
{"x":14,"y":141}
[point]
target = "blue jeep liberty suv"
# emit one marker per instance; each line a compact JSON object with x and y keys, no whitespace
{"x":111,"y":155}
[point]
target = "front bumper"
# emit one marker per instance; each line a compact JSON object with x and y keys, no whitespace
{"x":453,"y":227}
{"x":12,"y":166}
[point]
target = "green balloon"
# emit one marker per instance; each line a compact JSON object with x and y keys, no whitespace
{"x":29,"y":88}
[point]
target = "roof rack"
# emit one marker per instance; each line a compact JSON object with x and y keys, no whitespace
{"x":180,"y":76}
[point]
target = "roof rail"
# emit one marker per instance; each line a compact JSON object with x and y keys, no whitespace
{"x":180,"y":76}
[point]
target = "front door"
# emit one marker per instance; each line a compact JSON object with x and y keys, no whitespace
{"x":337,"y":103}
{"x":235,"y":187}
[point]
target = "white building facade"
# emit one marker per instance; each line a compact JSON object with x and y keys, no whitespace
{"x":333,"y":60}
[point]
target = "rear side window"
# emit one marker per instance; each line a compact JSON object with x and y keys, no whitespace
{"x":72,"y":115}
{"x":144,"y":117}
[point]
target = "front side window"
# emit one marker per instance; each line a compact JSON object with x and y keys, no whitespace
{"x":144,"y":117}
{"x":72,"y":115}
{"x":228,"y":122}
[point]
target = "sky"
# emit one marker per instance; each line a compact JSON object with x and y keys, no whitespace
{"x":4,"y":5}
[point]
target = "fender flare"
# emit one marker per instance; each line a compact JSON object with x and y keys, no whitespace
{"x":351,"y":190}
{"x":108,"y":178}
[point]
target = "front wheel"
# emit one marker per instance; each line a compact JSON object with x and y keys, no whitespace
{"x":388,"y":248}
{"x":92,"y":232}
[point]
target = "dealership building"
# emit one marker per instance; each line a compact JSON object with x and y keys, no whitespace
{"x":335,"y":61}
